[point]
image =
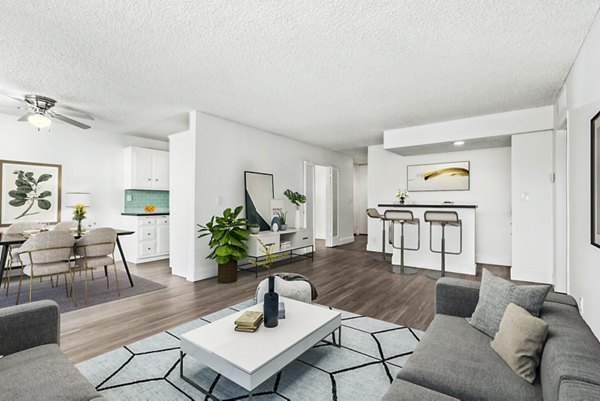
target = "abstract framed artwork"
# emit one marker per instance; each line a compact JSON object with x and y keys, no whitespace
{"x":595,"y":180}
{"x":258,"y":194}
{"x":452,"y":176}
{"x":29,"y":192}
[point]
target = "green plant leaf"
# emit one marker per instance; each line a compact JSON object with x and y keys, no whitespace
{"x":224,"y":250}
{"x":44,"y":204}
{"x":17,"y":195}
{"x":44,"y":177}
{"x":223,"y":259}
{"x":17,"y":202}
{"x":45,"y":194}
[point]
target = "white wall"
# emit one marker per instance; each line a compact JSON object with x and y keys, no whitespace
{"x":532,"y":207}
{"x":182,"y":175}
{"x":360,"y":199}
{"x":583,"y":102}
{"x":224,"y":150}
{"x":489,"y":125}
{"x":321,"y":175}
{"x":490,"y":190}
{"x":92,"y":161}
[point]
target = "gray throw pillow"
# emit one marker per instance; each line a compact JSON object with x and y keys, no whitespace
{"x":520,"y":341}
{"x":494,"y":296}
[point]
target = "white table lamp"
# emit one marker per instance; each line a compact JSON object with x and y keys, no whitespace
{"x":77,"y":198}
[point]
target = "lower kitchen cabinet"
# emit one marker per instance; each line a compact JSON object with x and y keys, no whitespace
{"x":151,"y":239}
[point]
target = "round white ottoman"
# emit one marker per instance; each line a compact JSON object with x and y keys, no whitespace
{"x":297,"y":290}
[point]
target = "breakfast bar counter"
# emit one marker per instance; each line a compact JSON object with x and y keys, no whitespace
{"x":431,"y":238}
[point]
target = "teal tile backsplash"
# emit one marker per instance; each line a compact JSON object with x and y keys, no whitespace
{"x":140,"y":198}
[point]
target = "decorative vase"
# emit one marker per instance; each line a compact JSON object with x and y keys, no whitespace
{"x":283,"y":227}
{"x":271,"y":305}
{"x":254,"y":230}
{"x":79,"y":231}
{"x":402,"y":201}
{"x":297,"y":221}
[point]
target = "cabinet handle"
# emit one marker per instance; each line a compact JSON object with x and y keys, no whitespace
{"x":304,"y":237}
{"x":156,"y":179}
{"x":149,"y":179}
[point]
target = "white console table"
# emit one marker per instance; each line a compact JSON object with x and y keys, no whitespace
{"x":424,"y":258}
{"x":294,"y":242}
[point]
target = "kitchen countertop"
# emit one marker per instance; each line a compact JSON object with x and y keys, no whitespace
{"x":145,"y":214}
{"x":446,"y":205}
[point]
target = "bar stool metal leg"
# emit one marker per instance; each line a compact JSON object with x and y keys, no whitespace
{"x":402,"y":269}
{"x":442,"y":272}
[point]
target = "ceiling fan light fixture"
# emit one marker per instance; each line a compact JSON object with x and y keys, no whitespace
{"x":39,"y":120}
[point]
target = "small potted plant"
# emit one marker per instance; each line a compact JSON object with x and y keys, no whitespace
{"x":254,"y":228}
{"x":283,"y":219}
{"x":228,"y":237}
{"x":297,"y":199}
{"x":79,"y":213}
{"x":401,"y":195}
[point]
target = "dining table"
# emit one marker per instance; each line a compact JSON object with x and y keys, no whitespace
{"x":6,"y":240}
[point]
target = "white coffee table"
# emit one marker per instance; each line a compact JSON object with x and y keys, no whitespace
{"x":249,"y":359}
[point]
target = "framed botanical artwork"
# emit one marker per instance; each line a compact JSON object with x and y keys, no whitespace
{"x":29,"y":192}
{"x":452,"y":176}
{"x":259,"y":192}
{"x":595,"y":180}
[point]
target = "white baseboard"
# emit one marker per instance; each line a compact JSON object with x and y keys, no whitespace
{"x":347,"y":240}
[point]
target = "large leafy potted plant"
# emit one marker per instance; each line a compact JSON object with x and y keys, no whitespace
{"x":228,"y":242}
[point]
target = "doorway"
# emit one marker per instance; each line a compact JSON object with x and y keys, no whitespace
{"x":322,"y":214}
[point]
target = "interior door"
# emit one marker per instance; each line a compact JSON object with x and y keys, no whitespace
{"x":309,"y":191}
{"x":333,"y":208}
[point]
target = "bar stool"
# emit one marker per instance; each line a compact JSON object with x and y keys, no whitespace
{"x":402,"y":217}
{"x":374,"y":214}
{"x":442,"y":218}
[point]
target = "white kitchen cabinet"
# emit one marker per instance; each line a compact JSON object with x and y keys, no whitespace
{"x":151,"y":239}
{"x":146,"y":169}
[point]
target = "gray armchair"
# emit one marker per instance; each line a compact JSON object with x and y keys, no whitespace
{"x":33,"y":366}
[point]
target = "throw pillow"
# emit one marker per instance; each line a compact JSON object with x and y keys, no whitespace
{"x":520,"y":340}
{"x":494,"y":296}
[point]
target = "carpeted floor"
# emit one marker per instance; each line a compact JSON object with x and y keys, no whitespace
{"x":372,"y":353}
{"x":97,"y":291}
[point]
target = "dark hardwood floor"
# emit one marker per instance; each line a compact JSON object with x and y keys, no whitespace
{"x":346,"y":277}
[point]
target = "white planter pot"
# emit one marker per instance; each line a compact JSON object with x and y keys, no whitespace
{"x":297,"y":222}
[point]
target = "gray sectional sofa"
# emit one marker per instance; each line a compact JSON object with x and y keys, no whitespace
{"x":454,"y":361}
{"x":33,"y":367}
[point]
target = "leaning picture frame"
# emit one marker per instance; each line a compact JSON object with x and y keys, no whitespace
{"x":595,"y":180}
{"x":29,"y":191}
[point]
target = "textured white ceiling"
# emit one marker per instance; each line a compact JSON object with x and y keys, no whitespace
{"x":332,"y":73}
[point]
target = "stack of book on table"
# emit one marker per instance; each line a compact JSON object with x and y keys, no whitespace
{"x":249,"y":321}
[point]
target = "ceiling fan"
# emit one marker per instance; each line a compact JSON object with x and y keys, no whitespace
{"x":39,"y":112}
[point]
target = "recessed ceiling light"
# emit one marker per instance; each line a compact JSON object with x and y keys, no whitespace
{"x":459,"y":143}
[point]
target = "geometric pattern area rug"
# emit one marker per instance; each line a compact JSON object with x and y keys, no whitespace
{"x":372,"y":353}
{"x":97,"y":291}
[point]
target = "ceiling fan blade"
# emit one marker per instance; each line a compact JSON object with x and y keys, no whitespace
{"x":75,"y":113}
{"x":69,"y":120}
{"x":25,"y":117}
{"x":18,"y":100}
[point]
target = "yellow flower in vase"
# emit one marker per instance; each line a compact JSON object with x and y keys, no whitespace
{"x":79,"y":213}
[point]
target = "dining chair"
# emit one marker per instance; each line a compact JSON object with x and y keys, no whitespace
{"x":46,"y":254}
{"x":96,"y":249}
{"x":65,"y":226}
{"x":13,"y":259}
